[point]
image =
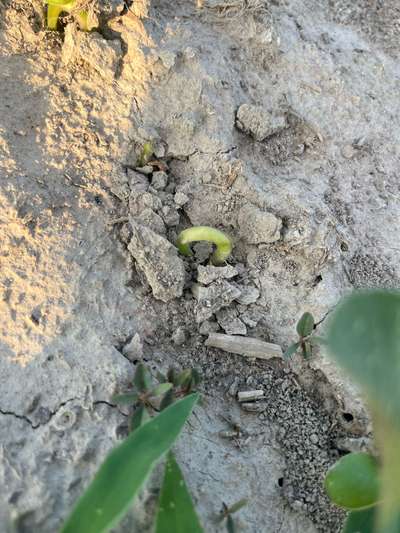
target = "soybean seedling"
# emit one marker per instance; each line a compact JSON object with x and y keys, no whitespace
{"x":204,"y":233}
{"x":305,"y":328}
{"x":149,"y":397}
{"x":227,"y":512}
{"x":364,"y":338}
{"x":56,"y":7}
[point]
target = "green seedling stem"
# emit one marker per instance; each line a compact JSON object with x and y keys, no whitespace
{"x":205,"y":233}
{"x":55,"y":8}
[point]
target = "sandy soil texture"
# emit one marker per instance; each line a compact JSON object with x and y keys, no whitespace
{"x":276,"y":121}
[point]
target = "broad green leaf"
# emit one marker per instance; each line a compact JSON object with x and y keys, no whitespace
{"x":353,"y":482}
{"x":125,"y":399}
{"x":142,"y":378}
{"x":364,"y":336}
{"x":160,"y":389}
{"x":360,"y":521}
{"x":291,"y":350}
{"x":305,"y":325}
{"x":176,"y":513}
{"x":388,"y":439}
{"x":125,"y":469}
{"x":139,"y":417}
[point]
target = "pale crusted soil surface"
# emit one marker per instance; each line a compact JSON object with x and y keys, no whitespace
{"x":277,"y":122}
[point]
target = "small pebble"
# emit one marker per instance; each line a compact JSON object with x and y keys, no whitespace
{"x":159,"y":180}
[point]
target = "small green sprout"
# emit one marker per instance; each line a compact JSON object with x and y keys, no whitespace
{"x":204,"y":233}
{"x":305,"y":327}
{"x":145,"y":154}
{"x":56,"y":7}
{"x":227,"y":513}
{"x":149,"y":397}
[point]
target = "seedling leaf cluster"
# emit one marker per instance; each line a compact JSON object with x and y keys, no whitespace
{"x":307,"y":338}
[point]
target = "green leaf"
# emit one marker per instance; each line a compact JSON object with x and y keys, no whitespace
{"x":142,"y":378}
{"x":291,"y":350}
{"x":237,"y":506}
{"x":183,"y":379}
{"x":125,"y":399}
{"x":160,"y":389}
{"x":364,"y":337}
{"x":140,"y":417}
{"x":230,"y":524}
{"x":305,"y":325}
{"x":176,"y":513}
{"x":353,"y":482}
{"x":360,"y":521}
{"x":161,"y":378}
{"x":171,"y":375}
{"x":124,"y":471}
{"x":315,"y":340}
{"x":167,"y":400}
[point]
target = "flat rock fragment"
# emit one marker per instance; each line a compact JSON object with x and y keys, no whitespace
{"x":213,"y":298}
{"x":158,"y":259}
{"x":257,"y":226}
{"x":246,"y":346}
{"x":208,"y":274}
{"x":258,"y":122}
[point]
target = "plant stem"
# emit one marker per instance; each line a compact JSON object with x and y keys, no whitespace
{"x":205,"y":233}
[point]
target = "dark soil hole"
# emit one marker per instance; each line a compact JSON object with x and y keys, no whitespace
{"x":280,"y":481}
{"x":348,"y":417}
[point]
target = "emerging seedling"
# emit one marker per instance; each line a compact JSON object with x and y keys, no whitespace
{"x":227,"y":512}
{"x":56,"y":7}
{"x":145,"y":154}
{"x":305,"y":328}
{"x":149,"y":397}
{"x":204,"y":233}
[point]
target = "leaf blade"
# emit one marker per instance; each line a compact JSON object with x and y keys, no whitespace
{"x":291,"y":350}
{"x":125,"y":469}
{"x":353,"y":481}
{"x":176,"y":510}
{"x":305,"y":325}
{"x":360,"y":521}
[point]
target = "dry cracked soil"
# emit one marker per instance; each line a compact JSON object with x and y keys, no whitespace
{"x":276,"y":121}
